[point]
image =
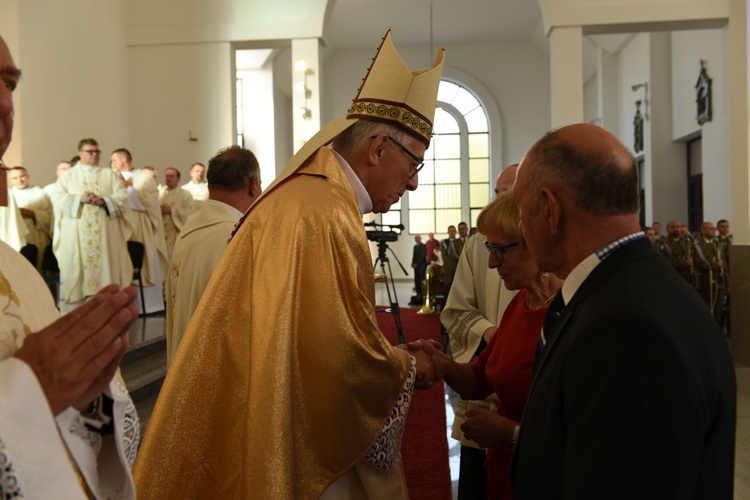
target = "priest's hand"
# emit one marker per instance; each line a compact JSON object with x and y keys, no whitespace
{"x":432,"y":348}
{"x":75,"y":357}
{"x":487,"y":428}
{"x":27,"y":213}
{"x":425,"y":371}
{"x":166,"y":209}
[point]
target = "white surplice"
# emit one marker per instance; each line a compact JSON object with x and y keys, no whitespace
{"x":199,"y":190}
{"x":13,"y":231}
{"x":40,"y":226}
{"x":43,"y":456}
{"x":90,"y":241}
{"x":196,"y":254}
{"x":180,"y":202}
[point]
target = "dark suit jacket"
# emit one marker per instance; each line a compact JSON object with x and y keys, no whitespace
{"x":635,"y":393}
{"x":419,"y":255}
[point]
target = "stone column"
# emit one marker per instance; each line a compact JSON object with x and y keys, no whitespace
{"x":305,"y":89}
{"x":566,"y":75}
{"x":739,"y":277}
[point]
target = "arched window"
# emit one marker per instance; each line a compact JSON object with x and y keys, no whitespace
{"x":454,"y":184}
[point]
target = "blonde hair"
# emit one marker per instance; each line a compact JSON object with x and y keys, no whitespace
{"x":501,"y":214}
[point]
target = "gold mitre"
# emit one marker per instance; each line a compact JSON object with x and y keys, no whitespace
{"x":391,"y":93}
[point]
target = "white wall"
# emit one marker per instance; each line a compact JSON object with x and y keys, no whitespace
{"x":75,"y":81}
{"x":282,"y":103}
{"x":258,"y":119}
{"x":591,"y":111}
{"x":177,"y":90}
{"x":200,"y":21}
{"x":688,"y":48}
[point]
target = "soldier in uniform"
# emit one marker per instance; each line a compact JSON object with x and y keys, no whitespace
{"x":450,"y":251}
{"x":651,"y":235}
{"x":709,"y":265}
{"x":677,"y":252}
{"x":725,"y":241}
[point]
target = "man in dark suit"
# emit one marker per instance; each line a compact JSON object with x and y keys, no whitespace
{"x":419,"y":264}
{"x":634,"y":394}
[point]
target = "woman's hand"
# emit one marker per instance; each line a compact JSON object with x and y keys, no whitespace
{"x":487,"y":428}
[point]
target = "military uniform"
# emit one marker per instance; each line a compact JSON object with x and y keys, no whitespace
{"x":677,"y":252}
{"x":707,"y":255}
{"x":724,"y":244}
{"x":450,"y":251}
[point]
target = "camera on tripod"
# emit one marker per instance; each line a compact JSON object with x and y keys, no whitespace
{"x":380,"y":233}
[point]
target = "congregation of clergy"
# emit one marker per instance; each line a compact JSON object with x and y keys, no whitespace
{"x":85,"y":219}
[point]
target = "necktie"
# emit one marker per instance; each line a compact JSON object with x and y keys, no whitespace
{"x":553,"y":314}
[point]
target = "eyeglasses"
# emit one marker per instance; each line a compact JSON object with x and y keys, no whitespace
{"x":413,"y":170}
{"x":92,"y":151}
{"x":499,"y":250}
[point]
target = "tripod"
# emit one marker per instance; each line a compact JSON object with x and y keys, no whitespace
{"x":392,"y":299}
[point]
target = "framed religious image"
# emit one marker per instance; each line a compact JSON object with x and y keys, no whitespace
{"x":703,"y":96}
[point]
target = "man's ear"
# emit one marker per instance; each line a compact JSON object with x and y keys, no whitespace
{"x":255,"y":187}
{"x":377,"y":149}
{"x":551,"y":209}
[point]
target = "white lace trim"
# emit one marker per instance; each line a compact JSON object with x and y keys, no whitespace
{"x":385,"y":454}
{"x":91,"y":438}
{"x":131,"y":433}
{"x":9,"y":487}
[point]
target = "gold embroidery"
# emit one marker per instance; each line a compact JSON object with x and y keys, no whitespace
{"x":91,"y":248}
{"x":392,"y":112}
{"x":11,"y":309}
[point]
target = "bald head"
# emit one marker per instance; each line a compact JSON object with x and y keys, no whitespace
{"x":506,"y":178}
{"x":589,"y":165}
{"x":574,"y":179}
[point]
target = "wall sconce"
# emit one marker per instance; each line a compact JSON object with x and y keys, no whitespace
{"x":302,"y":88}
{"x":644,"y":86}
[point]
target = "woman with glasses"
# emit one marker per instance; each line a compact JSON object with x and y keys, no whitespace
{"x":505,"y":366}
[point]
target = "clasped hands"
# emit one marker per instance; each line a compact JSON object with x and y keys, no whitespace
{"x":432,"y":364}
{"x":91,"y":199}
{"x":75,"y":357}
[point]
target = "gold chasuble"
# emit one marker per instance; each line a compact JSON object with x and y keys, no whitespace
{"x":283,"y":386}
{"x":284,"y":380}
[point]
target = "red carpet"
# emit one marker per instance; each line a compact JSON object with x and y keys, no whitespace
{"x":425,"y":445}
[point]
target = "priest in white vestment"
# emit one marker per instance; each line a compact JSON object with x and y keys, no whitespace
{"x":49,"y":455}
{"x":13,"y":230}
{"x":150,"y":228}
{"x":48,"y":448}
{"x":61,"y":167}
{"x":197,"y":186}
{"x":176,"y":205}
{"x":233,"y":184}
{"x":145,"y":220}
{"x":90,"y":228}
{"x":36,"y":210}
